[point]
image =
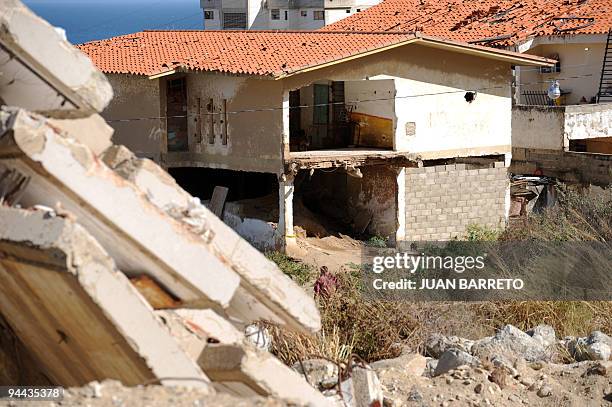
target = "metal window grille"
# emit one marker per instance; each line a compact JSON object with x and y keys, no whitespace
{"x":234,"y":21}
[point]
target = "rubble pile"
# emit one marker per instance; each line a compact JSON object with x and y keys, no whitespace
{"x":511,"y":368}
{"x":108,"y":269}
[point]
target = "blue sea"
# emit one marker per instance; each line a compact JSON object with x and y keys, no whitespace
{"x":87,"y":20}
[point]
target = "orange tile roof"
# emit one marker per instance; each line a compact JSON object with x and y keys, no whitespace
{"x":237,"y":52}
{"x":268,"y":53}
{"x":513,"y":21}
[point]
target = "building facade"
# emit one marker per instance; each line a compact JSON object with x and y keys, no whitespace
{"x":277,"y":14}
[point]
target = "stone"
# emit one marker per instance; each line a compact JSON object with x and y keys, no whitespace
{"x":544,"y":334}
{"x":598,"y":351}
{"x":598,"y":336}
{"x":452,"y":359}
{"x":597,"y":346}
{"x":510,"y":342}
{"x":430,"y":367}
{"x":545,"y":391}
{"x":415,"y":395}
{"x":601,"y":368}
{"x":411,"y":364}
{"x":366,"y":387}
{"x":437,"y":344}
{"x":318,"y":371}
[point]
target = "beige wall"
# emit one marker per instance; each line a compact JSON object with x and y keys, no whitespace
{"x":441,"y":201}
{"x":446,"y":125}
{"x":254,"y":138}
{"x":136,"y":97}
{"x":538,"y":127}
{"x":576,"y":62}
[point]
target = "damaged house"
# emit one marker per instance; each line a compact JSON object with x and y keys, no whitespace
{"x":396,"y":135}
{"x":566,"y":138}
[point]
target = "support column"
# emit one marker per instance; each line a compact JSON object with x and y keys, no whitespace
{"x":285,"y":233}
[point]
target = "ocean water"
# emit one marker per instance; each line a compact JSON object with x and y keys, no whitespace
{"x":88,"y":20}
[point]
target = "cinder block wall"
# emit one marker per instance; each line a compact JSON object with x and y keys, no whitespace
{"x":442,"y":200}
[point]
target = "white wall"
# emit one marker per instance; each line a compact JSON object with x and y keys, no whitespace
{"x":445,"y":124}
{"x":581,"y":64}
{"x":375,"y":96}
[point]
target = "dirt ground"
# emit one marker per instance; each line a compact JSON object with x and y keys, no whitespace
{"x":331,"y":251}
{"x":540,"y":385}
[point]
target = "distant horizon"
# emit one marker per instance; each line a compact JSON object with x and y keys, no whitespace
{"x":92,"y":20}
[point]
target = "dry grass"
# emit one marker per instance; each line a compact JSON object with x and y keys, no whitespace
{"x":374,"y":329}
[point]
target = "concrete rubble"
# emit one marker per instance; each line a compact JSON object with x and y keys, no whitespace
{"x":108,"y":269}
{"x":63,"y":296}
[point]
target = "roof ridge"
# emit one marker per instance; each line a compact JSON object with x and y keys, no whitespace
{"x":276,"y":32}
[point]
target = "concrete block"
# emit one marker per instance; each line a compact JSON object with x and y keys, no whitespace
{"x":234,"y":364}
{"x":139,"y":236}
{"x":72,"y":85}
{"x":76,"y":313}
{"x":91,"y":131}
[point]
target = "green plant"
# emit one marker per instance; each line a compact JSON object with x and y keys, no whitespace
{"x":479,"y":233}
{"x":300,"y":272}
{"x":377,"y":241}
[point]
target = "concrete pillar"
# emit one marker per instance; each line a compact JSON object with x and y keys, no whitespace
{"x":400,"y":232}
{"x":285,"y":135}
{"x":285,"y":233}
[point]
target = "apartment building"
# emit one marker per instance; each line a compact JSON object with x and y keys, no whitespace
{"x":278,"y":14}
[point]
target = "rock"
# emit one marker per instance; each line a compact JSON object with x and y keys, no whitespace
{"x":430,"y":367}
{"x":598,"y":336}
{"x":415,"y":395}
{"x":598,"y":351}
{"x":510,"y":342}
{"x":503,"y":363}
{"x":366,"y":387}
{"x":601,"y":368}
{"x":320,"y":372}
{"x":545,"y":391}
{"x":545,"y":334}
{"x":597,"y":346}
{"x":411,"y":364}
{"x":437,"y":344}
{"x":527,"y":381}
{"x":453,"y":358}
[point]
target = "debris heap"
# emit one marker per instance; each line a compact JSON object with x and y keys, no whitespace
{"x":108,"y":269}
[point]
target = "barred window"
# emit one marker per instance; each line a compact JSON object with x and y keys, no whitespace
{"x":318,"y":15}
{"x":275,"y":14}
{"x":235,"y":21}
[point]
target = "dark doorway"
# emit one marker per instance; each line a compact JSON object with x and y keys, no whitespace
{"x":176,"y":111}
{"x":201,"y":182}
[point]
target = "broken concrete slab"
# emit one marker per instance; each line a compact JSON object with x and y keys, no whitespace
{"x":65,"y":174}
{"x":264,"y":289}
{"x":91,"y":131}
{"x":233,"y":363}
{"x":62,"y":81}
{"x":79,"y":316}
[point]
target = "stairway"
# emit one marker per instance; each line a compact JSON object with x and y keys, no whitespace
{"x":605,"y":84}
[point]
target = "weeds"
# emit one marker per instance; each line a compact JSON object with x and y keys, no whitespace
{"x":299,"y":272}
{"x":373,"y":329}
{"x":377,"y":241}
